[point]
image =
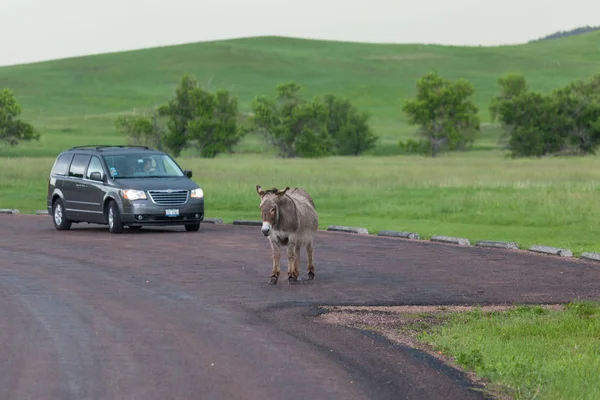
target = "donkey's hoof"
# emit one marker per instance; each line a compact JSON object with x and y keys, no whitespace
{"x":273,"y":280}
{"x":311,"y":276}
{"x":292,"y":280}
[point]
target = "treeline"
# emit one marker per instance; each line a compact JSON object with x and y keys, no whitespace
{"x":212,"y":124}
{"x":577,"y":31}
{"x":534,"y":124}
{"x":565,"y":121}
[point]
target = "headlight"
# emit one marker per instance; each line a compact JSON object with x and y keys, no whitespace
{"x":197,"y":193}
{"x":134,"y":194}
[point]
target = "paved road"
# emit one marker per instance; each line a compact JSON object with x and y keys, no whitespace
{"x":167,"y":314}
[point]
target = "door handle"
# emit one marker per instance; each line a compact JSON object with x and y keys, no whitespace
{"x":81,"y":185}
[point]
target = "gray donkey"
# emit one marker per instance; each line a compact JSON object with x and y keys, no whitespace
{"x":289,"y":219}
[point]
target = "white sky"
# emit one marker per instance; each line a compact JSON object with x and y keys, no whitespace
{"x":35,"y":30}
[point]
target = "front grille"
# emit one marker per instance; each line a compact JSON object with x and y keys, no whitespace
{"x":168,"y":197}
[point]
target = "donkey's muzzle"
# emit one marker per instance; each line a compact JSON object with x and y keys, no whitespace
{"x":266,"y":228}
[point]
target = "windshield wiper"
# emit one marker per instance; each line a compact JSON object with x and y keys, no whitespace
{"x":147,"y":176}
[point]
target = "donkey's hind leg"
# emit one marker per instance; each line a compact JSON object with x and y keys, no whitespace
{"x":311,"y":264}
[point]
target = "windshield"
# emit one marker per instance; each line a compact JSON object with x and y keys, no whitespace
{"x":142,"y":166}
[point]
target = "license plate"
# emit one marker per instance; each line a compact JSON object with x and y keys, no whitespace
{"x":172,"y":213}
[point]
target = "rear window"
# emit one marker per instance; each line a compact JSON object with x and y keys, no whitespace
{"x":78,"y":165}
{"x":61,"y":165}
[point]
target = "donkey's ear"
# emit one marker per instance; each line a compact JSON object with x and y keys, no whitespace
{"x":282,"y":192}
{"x":260,"y":191}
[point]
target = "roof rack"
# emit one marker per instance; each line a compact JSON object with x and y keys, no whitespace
{"x":100,"y":146}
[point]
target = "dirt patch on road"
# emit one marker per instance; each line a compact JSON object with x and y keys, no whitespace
{"x":403,"y":324}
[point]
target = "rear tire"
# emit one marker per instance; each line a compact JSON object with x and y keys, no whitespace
{"x":114,"y":218}
{"x":192,"y":227}
{"x":59,"y":217}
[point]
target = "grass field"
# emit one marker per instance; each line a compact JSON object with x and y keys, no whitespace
{"x":75,"y":101}
{"x":479,"y":195}
{"x":535,"y":352}
{"x":548,"y":352}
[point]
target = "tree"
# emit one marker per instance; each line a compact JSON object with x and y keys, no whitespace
{"x":294,"y":126}
{"x":576,"y":31}
{"x":215,"y":129}
{"x":13,"y":130}
{"x":511,"y":86}
{"x":180,"y":110}
{"x":297,"y":127}
{"x":348,"y":127}
{"x":142,"y":128}
{"x":196,"y":117}
{"x":532,"y":119}
{"x":564,"y":121}
{"x":578,"y":113}
{"x":446,"y":116}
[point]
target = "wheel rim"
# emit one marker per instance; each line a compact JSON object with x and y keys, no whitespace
{"x":58,"y":217}
{"x":111,"y":218}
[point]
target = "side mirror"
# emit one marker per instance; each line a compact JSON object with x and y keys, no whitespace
{"x":188,"y":173}
{"x":96,"y":176}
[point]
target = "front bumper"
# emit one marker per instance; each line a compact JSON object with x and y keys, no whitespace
{"x":146,"y":213}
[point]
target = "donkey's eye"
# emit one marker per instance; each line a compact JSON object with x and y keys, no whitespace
{"x":273,"y":209}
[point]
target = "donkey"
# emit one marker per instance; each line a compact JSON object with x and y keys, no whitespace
{"x":289,"y":219}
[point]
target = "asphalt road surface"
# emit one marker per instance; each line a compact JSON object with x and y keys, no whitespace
{"x":167,"y":314}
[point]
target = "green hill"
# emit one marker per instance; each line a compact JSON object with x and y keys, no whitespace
{"x":75,"y":101}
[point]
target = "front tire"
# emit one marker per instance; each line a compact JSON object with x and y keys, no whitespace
{"x":114,"y":218}
{"x":59,"y":217}
{"x":192,"y":227}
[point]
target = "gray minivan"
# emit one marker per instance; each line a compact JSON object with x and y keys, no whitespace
{"x":121,"y":186}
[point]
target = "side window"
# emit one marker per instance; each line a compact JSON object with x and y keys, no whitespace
{"x":95,"y":166}
{"x":61,"y":165}
{"x":114,"y":165}
{"x":78,"y":165}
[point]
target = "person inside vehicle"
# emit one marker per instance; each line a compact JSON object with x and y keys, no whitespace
{"x":148,"y":167}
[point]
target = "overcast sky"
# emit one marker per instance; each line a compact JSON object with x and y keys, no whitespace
{"x":33,"y":30}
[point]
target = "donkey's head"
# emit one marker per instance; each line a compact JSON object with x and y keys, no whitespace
{"x":269,"y":207}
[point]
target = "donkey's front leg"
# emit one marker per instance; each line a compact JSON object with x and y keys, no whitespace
{"x":276,"y":251}
{"x":293,"y":252}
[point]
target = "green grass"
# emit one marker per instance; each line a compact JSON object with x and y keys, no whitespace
{"x":534,"y":352}
{"x":75,"y":101}
{"x":479,"y":195}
